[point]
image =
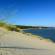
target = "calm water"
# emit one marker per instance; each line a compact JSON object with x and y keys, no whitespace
{"x":46,"y":33}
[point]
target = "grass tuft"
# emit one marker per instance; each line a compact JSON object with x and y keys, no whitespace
{"x":9,"y":27}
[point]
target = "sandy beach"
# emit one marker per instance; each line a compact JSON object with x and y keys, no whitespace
{"x":17,"y":43}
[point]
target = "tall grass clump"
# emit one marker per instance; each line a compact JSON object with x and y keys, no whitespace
{"x":9,"y":27}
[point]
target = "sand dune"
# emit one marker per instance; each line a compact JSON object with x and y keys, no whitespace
{"x":15,"y":43}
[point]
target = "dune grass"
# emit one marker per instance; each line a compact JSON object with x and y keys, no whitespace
{"x":9,"y":27}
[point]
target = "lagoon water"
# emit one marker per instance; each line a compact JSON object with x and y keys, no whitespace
{"x":45,"y":33}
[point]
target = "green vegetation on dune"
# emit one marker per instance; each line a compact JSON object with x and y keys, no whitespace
{"x":9,"y":27}
{"x":15,"y":27}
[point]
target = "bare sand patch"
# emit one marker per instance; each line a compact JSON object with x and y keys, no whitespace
{"x":16,"y":43}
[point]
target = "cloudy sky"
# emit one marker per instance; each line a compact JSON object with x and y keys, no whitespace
{"x":28,"y":12}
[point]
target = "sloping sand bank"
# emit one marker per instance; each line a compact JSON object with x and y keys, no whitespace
{"x":15,"y":43}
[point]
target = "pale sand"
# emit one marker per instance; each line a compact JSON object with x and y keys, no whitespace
{"x":15,"y":43}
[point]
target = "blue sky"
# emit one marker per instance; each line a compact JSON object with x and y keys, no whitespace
{"x":28,"y":12}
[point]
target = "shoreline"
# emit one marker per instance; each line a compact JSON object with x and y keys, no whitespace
{"x":28,"y":44}
{"x":47,"y":39}
{"x":37,"y":36}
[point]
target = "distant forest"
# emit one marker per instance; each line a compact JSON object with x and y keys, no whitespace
{"x":26,"y":27}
